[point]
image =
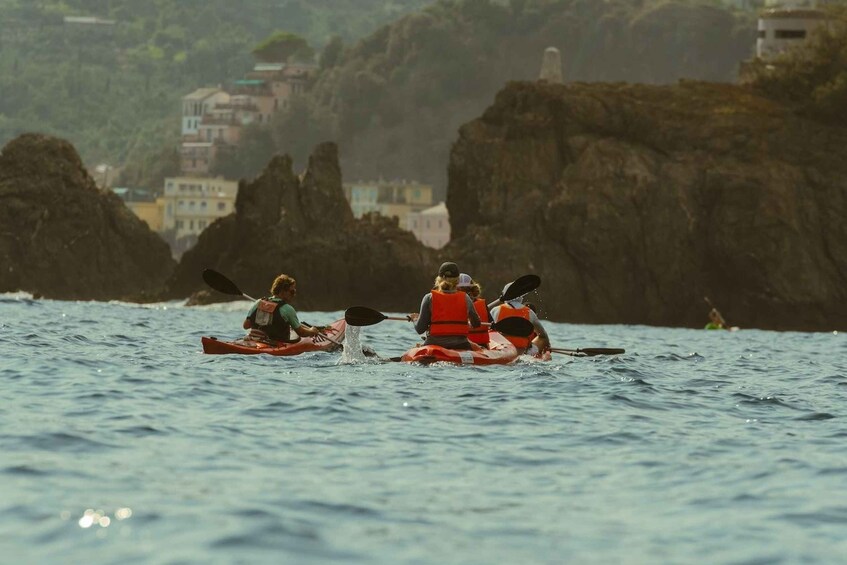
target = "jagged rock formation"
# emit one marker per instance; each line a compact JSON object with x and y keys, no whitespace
{"x":396,"y":98}
{"x":61,"y":237}
{"x":303,"y":226}
{"x":634,"y":201}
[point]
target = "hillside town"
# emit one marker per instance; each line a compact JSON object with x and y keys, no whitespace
{"x":213,"y":120}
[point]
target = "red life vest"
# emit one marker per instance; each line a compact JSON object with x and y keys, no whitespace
{"x":449,"y":313}
{"x":480,"y":335}
{"x":507,"y":311}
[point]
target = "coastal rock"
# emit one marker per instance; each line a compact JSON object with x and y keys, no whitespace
{"x":61,"y":237}
{"x":303,"y":226}
{"x":633,"y":202}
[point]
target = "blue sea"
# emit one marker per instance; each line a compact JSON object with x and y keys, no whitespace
{"x":121,"y":442}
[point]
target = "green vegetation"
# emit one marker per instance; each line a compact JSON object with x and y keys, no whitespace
{"x":114,"y":90}
{"x":283,"y":45}
{"x":393,"y":100}
{"x":812,"y":77}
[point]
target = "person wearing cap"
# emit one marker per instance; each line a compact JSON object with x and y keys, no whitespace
{"x":478,"y":335}
{"x":445,"y":312}
{"x":516,"y":308}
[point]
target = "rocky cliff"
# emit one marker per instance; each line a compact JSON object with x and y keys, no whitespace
{"x":61,"y":237}
{"x":633,"y":202}
{"x":303,"y":226}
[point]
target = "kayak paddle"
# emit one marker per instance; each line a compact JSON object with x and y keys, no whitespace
{"x":364,"y":316}
{"x":222,"y":284}
{"x":589,"y":351}
{"x":712,"y":306}
{"x":520,"y":286}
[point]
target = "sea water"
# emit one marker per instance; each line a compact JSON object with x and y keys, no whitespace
{"x":121,"y":442}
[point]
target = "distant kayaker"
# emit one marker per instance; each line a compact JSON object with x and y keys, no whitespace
{"x":274,"y":317}
{"x":472,"y":288}
{"x":445,"y":312}
{"x":715,"y":320}
{"x":516,"y":308}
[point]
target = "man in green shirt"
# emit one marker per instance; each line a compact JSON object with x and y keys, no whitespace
{"x":273,"y":317}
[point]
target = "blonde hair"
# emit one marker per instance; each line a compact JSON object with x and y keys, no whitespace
{"x":281,"y":283}
{"x":445,"y":283}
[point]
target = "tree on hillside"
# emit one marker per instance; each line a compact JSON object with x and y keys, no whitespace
{"x":282,"y":45}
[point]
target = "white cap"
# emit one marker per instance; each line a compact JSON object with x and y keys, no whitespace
{"x":465,"y":281}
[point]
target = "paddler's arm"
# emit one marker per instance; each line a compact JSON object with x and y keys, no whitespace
{"x":425,"y":316}
{"x":472,"y":315}
{"x":543,"y":340}
{"x":305,"y":331}
{"x":248,"y":322}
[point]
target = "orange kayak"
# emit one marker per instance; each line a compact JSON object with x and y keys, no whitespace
{"x":243,"y":346}
{"x":500,"y":352}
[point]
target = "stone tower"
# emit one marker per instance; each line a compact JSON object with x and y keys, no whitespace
{"x":551,"y":66}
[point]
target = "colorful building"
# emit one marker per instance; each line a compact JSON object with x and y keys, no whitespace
{"x":395,"y":199}
{"x":191,"y":204}
{"x":198,"y":104}
{"x":431,"y":226}
{"x":781,"y":29}
{"x":144,"y":204}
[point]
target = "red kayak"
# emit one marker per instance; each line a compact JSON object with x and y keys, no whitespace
{"x":244,"y":346}
{"x":500,"y":352}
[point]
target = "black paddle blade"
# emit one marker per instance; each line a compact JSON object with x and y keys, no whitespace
{"x":220,"y":283}
{"x":590,"y":351}
{"x":363,"y":316}
{"x":520,"y":286}
{"x":518,"y":327}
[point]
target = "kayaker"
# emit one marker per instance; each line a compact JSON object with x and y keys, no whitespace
{"x":472,"y":288}
{"x":516,"y":308}
{"x":445,"y":312}
{"x":273,"y":317}
{"x":715,"y":320}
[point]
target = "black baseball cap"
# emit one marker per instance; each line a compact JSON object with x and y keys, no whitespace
{"x":448,"y":269}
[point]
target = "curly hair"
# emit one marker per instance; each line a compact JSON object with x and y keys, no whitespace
{"x":445,"y":283}
{"x":282,"y":283}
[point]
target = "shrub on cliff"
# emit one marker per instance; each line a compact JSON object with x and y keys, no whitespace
{"x":812,"y":76}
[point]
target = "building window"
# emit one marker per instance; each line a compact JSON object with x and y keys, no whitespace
{"x":201,"y":224}
{"x":763,"y":34}
{"x":790,"y":34}
{"x":179,"y":224}
{"x":203,"y":205}
{"x":191,"y":225}
{"x":221,"y":206}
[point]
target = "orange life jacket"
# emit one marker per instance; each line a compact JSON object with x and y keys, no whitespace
{"x":480,"y":335}
{"x":507,"y":311}
{"x":449,"y":313}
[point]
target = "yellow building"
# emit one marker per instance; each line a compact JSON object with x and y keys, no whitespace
{"x":144,"y":204}
{"x":395,"y":199}
{"x":190,"y":204}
